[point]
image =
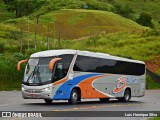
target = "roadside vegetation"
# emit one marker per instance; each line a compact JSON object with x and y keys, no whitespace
{"x":155,"y":118}
{"x":137,"y":47}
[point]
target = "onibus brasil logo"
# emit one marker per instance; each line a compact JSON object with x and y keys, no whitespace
{"x":121,"y":84}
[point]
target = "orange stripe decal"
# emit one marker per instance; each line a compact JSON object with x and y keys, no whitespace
{"x":88,"y":91}
{"x":61,"y":81}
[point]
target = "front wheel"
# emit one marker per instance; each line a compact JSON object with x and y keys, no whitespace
{"x":126,"y":97}
{"x":48,"y":101}
{"x":74,"y":97}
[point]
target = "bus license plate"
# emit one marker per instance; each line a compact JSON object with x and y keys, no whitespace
{"x":33,"y":96}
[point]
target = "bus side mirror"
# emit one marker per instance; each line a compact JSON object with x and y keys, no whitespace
{"x":19,"y":64}
{"x":52,"y":62}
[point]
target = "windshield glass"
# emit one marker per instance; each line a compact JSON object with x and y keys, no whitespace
{"x":37,"y":71}
{"x":32,"y":63}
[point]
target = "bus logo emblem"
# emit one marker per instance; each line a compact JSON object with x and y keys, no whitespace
{"x":121,"y":84}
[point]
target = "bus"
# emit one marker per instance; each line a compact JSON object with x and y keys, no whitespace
{"x":74,"y":75}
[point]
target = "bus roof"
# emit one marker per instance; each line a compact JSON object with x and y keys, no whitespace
{"x":50,"y":53}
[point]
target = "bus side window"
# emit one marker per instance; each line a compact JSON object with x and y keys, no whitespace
{"x":65,"y":68}
{"x":59,"y":72}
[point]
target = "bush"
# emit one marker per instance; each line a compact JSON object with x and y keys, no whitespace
{"x":15,"y":35}
{"x":19,"y":56}
{"x":2,"y":45}
{"x":145,"y":20}
{"x":124,"y":10}
{"x":30,"y":51}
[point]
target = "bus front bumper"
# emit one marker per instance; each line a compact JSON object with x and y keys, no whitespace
{"x":37,"y":92}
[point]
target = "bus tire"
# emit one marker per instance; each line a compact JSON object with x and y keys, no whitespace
{"x":126,"y":97}
{"x":104,"y":100}
{"x":73,"y":97}
{"x":48,"y":101}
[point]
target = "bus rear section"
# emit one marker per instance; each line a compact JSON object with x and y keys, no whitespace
{"x":75,"y":75}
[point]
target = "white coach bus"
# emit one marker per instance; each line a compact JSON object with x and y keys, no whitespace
{"x":74,"y":75}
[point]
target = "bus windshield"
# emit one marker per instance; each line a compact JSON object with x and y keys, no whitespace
{"x":37,"y":71}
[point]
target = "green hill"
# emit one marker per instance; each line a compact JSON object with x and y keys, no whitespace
{"x":71,"y":24}
{"x":80,"y":23}
{"x":131,"y":8}
{"x":151,"y":7}
{"x":76,"y":23}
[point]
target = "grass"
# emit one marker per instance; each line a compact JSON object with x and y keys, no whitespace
{"x":77,"y":23}
{"x":151,"y":84}
{"x":10,"y":79}
{"x":149,"y":6}
{"x":139,"y":6}
{"x":155,"y":118}
{"x":158,"y":72}
{"x":122,"y":44}
{"x":138,"y":46}
{"x":80,"y":23}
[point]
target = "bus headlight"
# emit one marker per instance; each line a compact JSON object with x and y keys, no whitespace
{"x":46,"y":89}
{"x":23,"y":89}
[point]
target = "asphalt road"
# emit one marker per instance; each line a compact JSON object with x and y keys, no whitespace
{"x":12,"y":101}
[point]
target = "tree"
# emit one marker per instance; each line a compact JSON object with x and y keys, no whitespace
{"x":22,"y":7}
{"x":4,"y":14}
{"x":124,"y":10}
{"x":145,"y":20}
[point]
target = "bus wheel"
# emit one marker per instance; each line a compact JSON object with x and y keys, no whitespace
{"x":73,"y":97}
{"x":126,"y":97}
{"x":104,"y":100}
{"x":48,"y":101}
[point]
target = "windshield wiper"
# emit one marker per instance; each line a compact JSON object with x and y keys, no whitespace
{"x":38,"y":74}
{"x":32,"y":73}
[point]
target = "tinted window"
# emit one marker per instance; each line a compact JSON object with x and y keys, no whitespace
{"x":91,"y":64}
{"x":81,"y":64}
{"x":66,"y":61}
{"x":62,"y":67}
{"x":44,"y":61}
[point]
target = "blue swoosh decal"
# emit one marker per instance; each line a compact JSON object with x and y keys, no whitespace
{"x":63,"y":92}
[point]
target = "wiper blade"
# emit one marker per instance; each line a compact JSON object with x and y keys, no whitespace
{"x":38,"y":74}
{"x":32,"y":73}
{"x":35,"y":72}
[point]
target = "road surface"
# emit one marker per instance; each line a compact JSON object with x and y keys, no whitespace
{"x":12,"y":101}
